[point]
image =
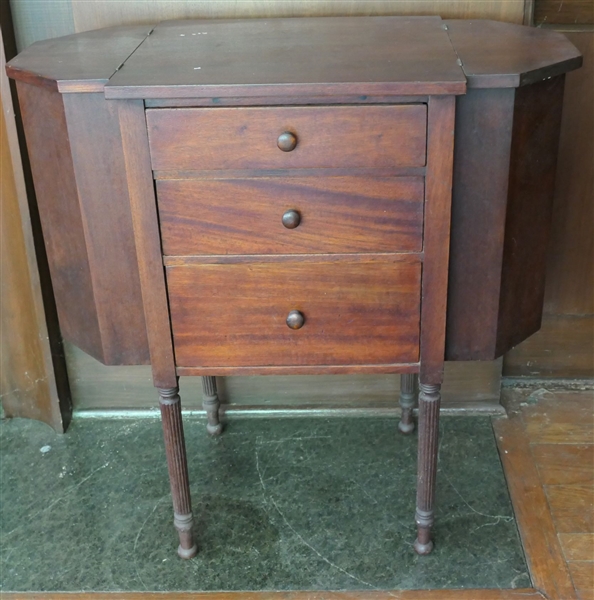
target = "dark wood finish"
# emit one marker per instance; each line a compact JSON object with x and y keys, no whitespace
{"x":83,"y":62}
{"x":302,"y":370}
{"x":438,"y":194}
{"x":533,"y":158}
{"x":329,"y":137}
{"x":175,"y":449}
{"x":503,"y":55}
{"x":94,"y":136}
{"x":233,"y":259}
{"x":282,"y":101}
{"x":484,"y":124}
{"x":549,"y":12}
{"x":296,"y":173}
{"x":211,"y":404}
{"x":310,"y":311}
{"x":233,"y":315}
{"x":63,"y":232}
{"x":539,"y":538}
{"x":281,"y":57}
{"x":429,"y":401}
{"x":408,"y":397}
{"x":504,"y":207}
{"x":87,"y":225}
{"x":247,"y":216}
{"x":148,"y":242}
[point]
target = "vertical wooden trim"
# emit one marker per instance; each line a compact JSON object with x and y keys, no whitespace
{"x":148,"y":241}
{"x":528,"y":13}
{"x":436,"y":245}
{"x":44,"y":392}
{"x":535,"y":523}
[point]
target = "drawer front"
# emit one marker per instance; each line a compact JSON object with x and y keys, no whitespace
{"x":325,"y":137}
{"x":291,"y":215}
{"x":354,"y":313}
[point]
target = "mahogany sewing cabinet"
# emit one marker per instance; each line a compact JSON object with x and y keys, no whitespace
{"x":280,"y":196}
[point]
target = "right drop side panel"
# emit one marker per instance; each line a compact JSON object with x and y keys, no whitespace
{"x":479,"y":198}
{"x":537,"y":122}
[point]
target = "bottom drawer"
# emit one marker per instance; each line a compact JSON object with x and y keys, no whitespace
{"x":235,"y":315}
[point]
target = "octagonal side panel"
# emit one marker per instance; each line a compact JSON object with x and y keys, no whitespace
{"x":483,"y":137}
{"x":95,"y":140}
{"x":533,"y":161}
{"x":55,"y":189}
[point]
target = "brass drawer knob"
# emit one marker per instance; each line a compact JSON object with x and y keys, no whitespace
{"x":291,"y":219}
{"x":295,"y":319}
{"x":287,"y":141}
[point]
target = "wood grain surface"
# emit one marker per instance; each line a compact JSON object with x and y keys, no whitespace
{"x":537,"y":530}
{"x":533,"y":161}
{"x":98,"y":160}
{"x":272,"y":57}
{"x":336,"y":214}
{"x":148,"y":242}
{"x":497,"y":54}
{"x":479,"y":203}
{"x":438,"y":201}
{"x":77,"y":63}
{"x":327,"y":137}
{"x":233,"y":315}
{"x":560,"y":430}
{"x":57,"y":197}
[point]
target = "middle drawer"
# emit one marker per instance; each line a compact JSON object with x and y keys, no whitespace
{"x":291,"y":215}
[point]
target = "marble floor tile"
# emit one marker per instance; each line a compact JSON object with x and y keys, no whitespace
{"x":294,"y":503}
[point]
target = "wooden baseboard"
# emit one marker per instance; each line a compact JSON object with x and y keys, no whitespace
{"x":563,"y":348}
{"x":475,"y":385}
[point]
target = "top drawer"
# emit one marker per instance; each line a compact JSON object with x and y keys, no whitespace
{"x":323,"y":137}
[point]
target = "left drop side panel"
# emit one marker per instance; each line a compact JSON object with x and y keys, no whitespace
{"x":85,"y":216}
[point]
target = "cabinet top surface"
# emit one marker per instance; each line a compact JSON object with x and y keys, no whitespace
{"x":296,"y":56}
{"x":373,"y":55}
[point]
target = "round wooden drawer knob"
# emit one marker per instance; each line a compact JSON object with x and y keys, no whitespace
{"x":291,"y":219}
{"x":287,"y":141}
{"x":295,"y":319}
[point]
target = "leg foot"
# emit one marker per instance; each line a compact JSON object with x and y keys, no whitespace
{"x":210,"y":402}
{"x":187,"y":548}
{"x":429,"y":401}
{"x":175,"y":448}
{"x":407,"y":402}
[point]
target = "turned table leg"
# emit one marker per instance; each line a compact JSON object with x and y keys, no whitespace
{"x":429,"y":401}
{"x":407,"y":402}
{"x":175,"y":449}
{"x":210,"y":402}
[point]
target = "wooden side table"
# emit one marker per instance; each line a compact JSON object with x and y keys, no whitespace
{"x":275,"y":195}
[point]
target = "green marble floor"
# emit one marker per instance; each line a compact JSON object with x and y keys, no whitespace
{"x":281,"y":504}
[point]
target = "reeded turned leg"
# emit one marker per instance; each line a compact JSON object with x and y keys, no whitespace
{"x":210,"y":402}
{"x":175,"y":448}
{"x":407,"y":402}
{"x":429,"y":401}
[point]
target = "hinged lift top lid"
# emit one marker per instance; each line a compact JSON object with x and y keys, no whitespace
{"x":292,"y":57}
